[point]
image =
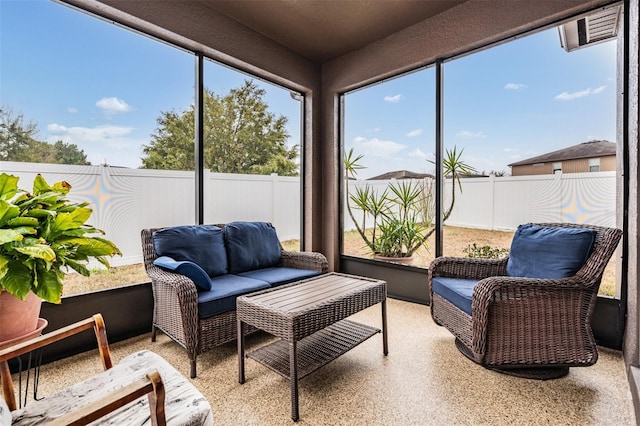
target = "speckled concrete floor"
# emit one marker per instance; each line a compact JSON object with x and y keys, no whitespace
{"x":423,"y":381}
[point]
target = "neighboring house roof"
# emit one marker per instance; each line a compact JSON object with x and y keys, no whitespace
{"x":401,"y":174}
{"x":591,"y":149}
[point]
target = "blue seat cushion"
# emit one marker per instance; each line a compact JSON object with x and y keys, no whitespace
{"x":186,"y":268}
{"x":200,"y":244}
{"x":549,"y":252}
{"x":278,"y":275}
{"x":251,"y":245}
{"x":224,"y":291}
{"x":458,"y":291}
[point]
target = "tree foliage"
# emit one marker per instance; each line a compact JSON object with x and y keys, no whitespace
{"x":240,"y":136}
{"x":18,"y":143}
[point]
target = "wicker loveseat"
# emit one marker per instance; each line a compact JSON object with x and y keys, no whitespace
{"x":198,"y":271}
{"x":528,"y":314}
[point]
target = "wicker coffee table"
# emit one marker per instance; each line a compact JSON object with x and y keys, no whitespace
{"x":309,"y":317}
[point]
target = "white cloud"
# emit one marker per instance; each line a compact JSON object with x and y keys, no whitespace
{"x":90,"y":134}
{"x":566,"y":96}
{"x":515,"y":86}
{"x":376,"y":148}
{"x":113,"y":105}
{"x":395,"y":98}
{"x":414,"y":133}
{"x":417,"y":153}
{"x":114,"y":145}
{"x":466,"y":134}
{"x":72,"y":110}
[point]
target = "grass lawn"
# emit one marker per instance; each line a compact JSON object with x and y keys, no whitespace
{"x":455,"y":240}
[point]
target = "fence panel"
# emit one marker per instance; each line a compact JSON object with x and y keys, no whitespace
{"x":127,"y":200}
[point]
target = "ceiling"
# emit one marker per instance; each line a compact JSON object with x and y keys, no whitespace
{"x":321,"y":30}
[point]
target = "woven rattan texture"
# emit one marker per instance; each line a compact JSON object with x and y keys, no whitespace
{"x":175,"y":310}
{"x":527,"y":322}
{"x":316,"y":350}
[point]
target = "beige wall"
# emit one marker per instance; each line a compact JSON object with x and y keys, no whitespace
{"x":580,"y":165}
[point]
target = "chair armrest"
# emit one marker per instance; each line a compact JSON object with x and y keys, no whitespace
{"x":465,"y":267}
{"x":503,"y":301}
{"x":150,"y":385}
{"x":305,"y":260}
{"x":96,"y":322}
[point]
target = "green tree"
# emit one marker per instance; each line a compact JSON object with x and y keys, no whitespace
{"x":18,"y":143}
{"x":16,"y":136}
{"x":69,"y":153}
{"x":240,"y":136}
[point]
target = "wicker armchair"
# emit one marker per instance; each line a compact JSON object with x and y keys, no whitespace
{"x":175,"y":310}
{"x":527,"y":327}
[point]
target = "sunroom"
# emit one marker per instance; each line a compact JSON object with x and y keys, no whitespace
{"x":326,"y":62}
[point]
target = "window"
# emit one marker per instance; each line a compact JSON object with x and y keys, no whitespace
{"x":495,"y":117}
{"x":252,"y":152}
{"x":112,"y":113}
{"x":389,"y":141}
{"x":557,"y":168}
{"x":524,"y":100}
{"x":594,"y":164}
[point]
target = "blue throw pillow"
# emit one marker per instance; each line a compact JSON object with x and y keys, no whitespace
{"x":549,"y":252}
{"x":200,"y":244}
{"x":251,"y":245}
{"x":186,"y":268}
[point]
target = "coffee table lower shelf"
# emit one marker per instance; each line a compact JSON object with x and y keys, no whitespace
{"x":316,"y":350}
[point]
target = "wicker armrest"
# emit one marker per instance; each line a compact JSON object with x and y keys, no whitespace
{"x":150,"y":385}
{"x":305,"y":260}
{"x":182,"y":285}
{"x":464,"y":267}
{"x":520,"y":300}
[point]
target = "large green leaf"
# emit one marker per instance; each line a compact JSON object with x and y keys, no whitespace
{"x":17,"y":280}
{"x":34,"y":213}
{"x":78,"y":267}
{"x":8,"y":211}
{"x":74,"y":219}
{"x":23,"y":221}
{"x":40,"y":185}
{"x":49,"y":285}
{"x":39,"y":251}
{"x":9,"y":236}
{"x":8,"y":186}
{"x":91,"y":246}
{"x":4,"y":261}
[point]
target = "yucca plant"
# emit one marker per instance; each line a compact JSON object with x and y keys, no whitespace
{"x":398,"y":221}
{"x":42,"y":236}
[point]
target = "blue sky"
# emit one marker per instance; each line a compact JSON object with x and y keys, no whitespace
{"x":504,"y":104}
{"x":94,"y":84}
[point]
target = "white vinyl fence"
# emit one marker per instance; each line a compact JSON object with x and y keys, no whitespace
{"x":502,"y":203}
{"x":124,"y":201}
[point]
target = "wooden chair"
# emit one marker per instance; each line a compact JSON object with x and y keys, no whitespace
{"x":527,"y":327}
{"x":104,"y":397}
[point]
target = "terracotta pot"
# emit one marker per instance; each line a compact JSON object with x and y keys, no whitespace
{"x":18,"y":317}
{"x":403,"y":260}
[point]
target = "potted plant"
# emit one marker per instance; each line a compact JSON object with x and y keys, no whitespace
{"x":42,"y":235}
{"x":398,"y":221}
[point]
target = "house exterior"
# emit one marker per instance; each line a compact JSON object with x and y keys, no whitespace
{"x":592,"y":156}
{"x":402,"y":174}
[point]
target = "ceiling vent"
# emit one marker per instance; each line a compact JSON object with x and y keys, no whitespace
{"x":594,"y":28}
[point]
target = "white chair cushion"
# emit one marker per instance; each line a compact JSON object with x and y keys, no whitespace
{"x":184,"y":404}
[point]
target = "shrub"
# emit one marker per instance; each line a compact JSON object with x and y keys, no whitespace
{"x":485,"y":251}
